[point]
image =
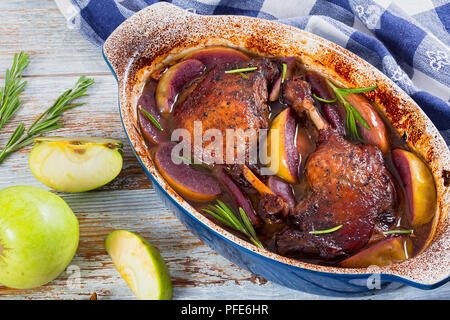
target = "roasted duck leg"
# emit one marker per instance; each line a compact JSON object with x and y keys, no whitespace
{"x":349,"y":187}
{"x":223,"y":101}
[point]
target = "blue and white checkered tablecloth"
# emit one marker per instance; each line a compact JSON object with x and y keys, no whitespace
{"x":410,"y":44}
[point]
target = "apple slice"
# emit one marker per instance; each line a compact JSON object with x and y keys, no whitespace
{"x":282,"y":189}
{"x":334,"y":114}
{"x":238,"y":196}
{"x":419,"y":186}
{"x":191,"y":183}
{"x":147,"y":102}
{"x":173,"y":80}
{"x":285,"y":157}
{"x":291,"y":64}
{"x":75,"y":164}
{"x":381,"y":254}
{"x":141,"y":265}
{"x":217,"y":55}
{"x":377,"y":135}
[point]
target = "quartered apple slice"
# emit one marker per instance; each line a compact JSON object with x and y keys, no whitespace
{"x":173,"y":80}
{"x":381,"y":254}
{"x":140,"y":265}
{"x":75,"y":164}
{"x":419,"y":186}
{"x":217,"y":55}
{"x":285,"y":157}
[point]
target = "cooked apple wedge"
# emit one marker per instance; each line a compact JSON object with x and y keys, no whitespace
{"x":381,"y":254}
{"x":289,"y":66}
{"x":419,"y":186}
{"x":75,"y":164}
{"x":217,"y":55}
{"x":238,"y":196}
{"x":173,"y":80}
{"x":377,"y":134}
{"x":285,"y":158}
{"x":282,"y":189}
{"x":190,"y":182}
{"x":141,"y":265}
{"x":334,"y":114}
{"x":146,"y":105}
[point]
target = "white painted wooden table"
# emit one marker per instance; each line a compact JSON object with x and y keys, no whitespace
{"x":58,"y":57}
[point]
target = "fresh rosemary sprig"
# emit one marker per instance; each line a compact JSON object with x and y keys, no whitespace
{"x":352,"y":113}
{"x":326,"y":231}
{"x":241,"y":70}
{"x":225,"y":214}
{"x":185,"y":160}
{"x":9,"y":94}
{"x":283,"y":76}
{"x":151,"y":118}
{"x":195,"y":165}
{"x":408,"y":231}
{"x":47,"y":121}
{"x":324,"y":100}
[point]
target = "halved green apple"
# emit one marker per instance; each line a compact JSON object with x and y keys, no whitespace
{"x":75,"y":164}
{"x":141,"y":265}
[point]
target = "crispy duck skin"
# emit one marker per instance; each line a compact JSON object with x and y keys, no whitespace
{"x":272,"y":208}
{"x":228,"y":100}
{"x":350,"y":186}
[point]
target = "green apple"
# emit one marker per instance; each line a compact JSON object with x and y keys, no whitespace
{"x":75,"y":164}
{"x":38,"y":236}
{"x":140,"y":265}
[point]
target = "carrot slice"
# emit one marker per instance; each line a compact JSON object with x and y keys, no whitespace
{"x":255,"y":182}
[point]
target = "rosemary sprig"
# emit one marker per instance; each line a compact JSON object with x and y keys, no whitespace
{"x":225,"y":214}
{"x":47,"y":121}
{"x":352,"y":113}
{"x":151,"y":118}
{"x":9,"y":94}
{"x":324,"y":100}
{"x":283,"y":76}
{"x":241,"y":70}
{"x":195,"y":165}
{"x":185,"y":160}
{"x":326,"y":231}
{"x":408,"y":231}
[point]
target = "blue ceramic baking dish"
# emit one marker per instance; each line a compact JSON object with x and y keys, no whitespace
{"x":162,"y":32}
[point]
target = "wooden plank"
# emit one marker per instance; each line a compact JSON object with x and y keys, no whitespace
{"x":99,"y":117}
{"x":40,"y":29}
{"x":190,"y":262}
{"x":59,"y":57}
{"x":197,"y":272}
